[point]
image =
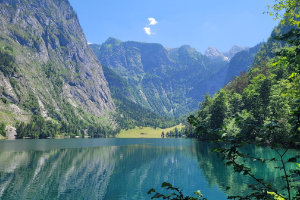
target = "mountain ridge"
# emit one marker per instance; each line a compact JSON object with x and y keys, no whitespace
{"x":55,"y":71}
{"x":154,"y":72}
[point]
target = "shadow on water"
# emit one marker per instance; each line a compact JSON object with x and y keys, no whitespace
{"x":217,"y":173}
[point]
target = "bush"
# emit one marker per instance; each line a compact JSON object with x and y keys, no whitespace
{"x":2,"y":129}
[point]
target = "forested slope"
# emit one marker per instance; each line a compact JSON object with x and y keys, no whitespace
{"x":49,"y":77}
{"x":170,"y":82}
{"x":129,"y":113}
{"x":263,"y":104}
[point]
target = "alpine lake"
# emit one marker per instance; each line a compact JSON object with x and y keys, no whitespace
{"x":121,"y":169}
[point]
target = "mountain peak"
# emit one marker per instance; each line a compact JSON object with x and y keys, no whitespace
{"x":214,"y":53}
{"x":112,"y":40}
{"x":234,"y":50}
{"x":187,"y":48}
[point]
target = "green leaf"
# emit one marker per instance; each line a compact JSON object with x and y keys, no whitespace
{"x":165,"y":184}
{"x":150,"y":191}
{"x":198,"y":193}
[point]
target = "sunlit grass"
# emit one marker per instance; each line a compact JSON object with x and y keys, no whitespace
{"x":146,"y":132}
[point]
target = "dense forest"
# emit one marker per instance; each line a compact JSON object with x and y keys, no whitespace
{"x":263,"y":104}
{"x":259,"y":107}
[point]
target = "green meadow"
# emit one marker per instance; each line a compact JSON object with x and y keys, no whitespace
{"x":146,"y":132}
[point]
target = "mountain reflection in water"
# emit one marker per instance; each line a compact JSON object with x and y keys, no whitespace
{"x":116,"y":168}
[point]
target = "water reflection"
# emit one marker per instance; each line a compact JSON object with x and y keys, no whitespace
{"x":114,"y":169}
{"x":216,"y":172}
{"x":108,"y":169}
{"x":56,"y":174}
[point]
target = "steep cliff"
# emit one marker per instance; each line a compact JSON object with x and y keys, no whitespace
{"x":48,"y":68}
{"x":241,"y":62}
{"x":161,"y":79}
{"x":167,"y":81}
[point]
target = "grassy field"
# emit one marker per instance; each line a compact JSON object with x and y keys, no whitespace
{"x":145,"y":132}
{"x":2,"y":138}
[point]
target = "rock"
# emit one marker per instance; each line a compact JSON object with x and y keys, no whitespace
{"x":163,"y":80}
{"x":52,"y":58}
{"x":234,"y":50}
{"x":213,"y":53}
{"x":11,"y":132}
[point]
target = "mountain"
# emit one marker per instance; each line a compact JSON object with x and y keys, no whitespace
{"x":166,"y":81}
{"x":241,"y":62}
{"x":214,"y":53}
{"x":261,"y":105}
{"x":129,"y":113}
{"x":47,"y":67}
{"x":160,"y":79}
{"x":234,"y":50}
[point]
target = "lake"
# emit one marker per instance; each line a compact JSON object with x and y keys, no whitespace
{"x":118,"y":168}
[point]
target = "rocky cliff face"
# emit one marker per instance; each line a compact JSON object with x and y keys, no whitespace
{"x":53,"y":65}
{"x":242,"y":61}
{"x":215,"y":54}
{"x":234,"y":50}
{"x":167,"y":81}
{"x":163,"y":80}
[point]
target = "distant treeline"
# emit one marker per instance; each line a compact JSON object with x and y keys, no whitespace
{"x":186,"y":131}
{"x":38,"y":127}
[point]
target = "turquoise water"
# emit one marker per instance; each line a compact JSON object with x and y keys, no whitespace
{"x":115,"y":169}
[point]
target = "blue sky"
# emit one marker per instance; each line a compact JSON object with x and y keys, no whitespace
{"x":199,"y":23}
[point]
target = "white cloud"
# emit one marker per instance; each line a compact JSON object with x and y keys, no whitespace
{"x":152,"y":21}
{"x":147,"y":30}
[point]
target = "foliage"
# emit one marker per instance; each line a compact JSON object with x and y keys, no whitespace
{"x":67,"y":122}
{"x":7,"y":61}
{"x":4,"y":100}
{"x":270,"y":99}
{"x":54,"y":76}
{"x":183,"y":132}
{"x":147,"y":132}
{"x":176,"y":193}
{"x":130,"y":114}
{"x":31,"y":103}
{"x":289,"y":8}
{"x":275,"y":196}
{"x":37,"y":128}
{"x":172,"y":133}
{"x":2,"y":129}
{"x":261,"y":189}
{"x":265,"y":110}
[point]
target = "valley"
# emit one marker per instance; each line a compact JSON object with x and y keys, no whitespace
{"x":152,"y":115}
{"x":169,"y":82}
